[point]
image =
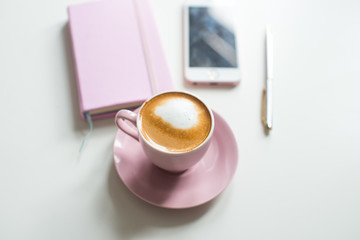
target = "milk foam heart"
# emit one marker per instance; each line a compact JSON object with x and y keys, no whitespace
{"x":179,"y":112}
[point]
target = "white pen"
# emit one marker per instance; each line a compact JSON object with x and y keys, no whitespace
{"x":269,"y":77}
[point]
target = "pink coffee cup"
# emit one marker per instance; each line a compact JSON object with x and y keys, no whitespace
{"x":166,"y":159}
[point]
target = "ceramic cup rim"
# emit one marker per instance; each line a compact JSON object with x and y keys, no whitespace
{"x":208,"y":137}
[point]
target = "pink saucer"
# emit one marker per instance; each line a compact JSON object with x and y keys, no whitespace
{"x":194,"y":187}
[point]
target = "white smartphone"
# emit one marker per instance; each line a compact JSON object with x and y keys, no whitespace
{"x":210,"y":43}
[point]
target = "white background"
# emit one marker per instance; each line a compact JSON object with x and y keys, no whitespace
{"x":300,"y":182}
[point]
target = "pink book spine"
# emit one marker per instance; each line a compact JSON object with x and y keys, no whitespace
{"x":81,"y":105}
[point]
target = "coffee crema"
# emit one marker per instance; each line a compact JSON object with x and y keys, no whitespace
{"x":176,"y":122}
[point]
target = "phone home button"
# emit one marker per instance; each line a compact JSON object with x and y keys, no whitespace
{"x":213,"y":74}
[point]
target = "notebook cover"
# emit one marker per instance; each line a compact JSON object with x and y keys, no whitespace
{"x":160,"y":72}
{"x":111,"y":56}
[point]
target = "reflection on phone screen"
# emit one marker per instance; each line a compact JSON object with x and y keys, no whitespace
{"x":212,"y":38}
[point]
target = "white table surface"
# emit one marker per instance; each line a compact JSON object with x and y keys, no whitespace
{"x":300,"y":182}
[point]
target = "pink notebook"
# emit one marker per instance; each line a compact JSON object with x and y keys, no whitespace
{"x":118,"y":55}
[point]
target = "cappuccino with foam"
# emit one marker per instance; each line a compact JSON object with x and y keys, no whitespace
{"x":175,"y":122}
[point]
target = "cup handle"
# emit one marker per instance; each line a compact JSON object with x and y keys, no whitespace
{"x":120,"y":118}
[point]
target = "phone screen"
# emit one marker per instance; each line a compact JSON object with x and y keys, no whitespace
{"x":212,"y":38}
